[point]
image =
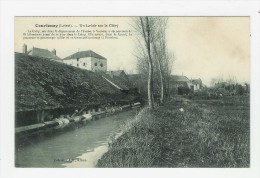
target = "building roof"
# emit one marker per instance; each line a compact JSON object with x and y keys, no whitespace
{"x":114,"y":73}
{"x":197,"y":81}
{"x":82,"y":54}
{"x":179,"y":78}
{"x":119,"y":79}
{"x":118,"y":82}
{"x":135,"y":76}
{"x":42,"y":53}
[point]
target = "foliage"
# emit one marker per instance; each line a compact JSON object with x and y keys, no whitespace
{"x":183,"y":90}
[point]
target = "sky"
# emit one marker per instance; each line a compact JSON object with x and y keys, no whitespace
{"x":204,"y":47}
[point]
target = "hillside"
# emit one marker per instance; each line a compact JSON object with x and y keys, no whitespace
{"x":44,"y":84}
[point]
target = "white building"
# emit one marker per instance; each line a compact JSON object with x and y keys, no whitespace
{"x":88,"y":60}
{"x":198,"y":85}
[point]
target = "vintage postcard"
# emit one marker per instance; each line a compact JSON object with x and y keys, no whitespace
{"x":143,"y":92}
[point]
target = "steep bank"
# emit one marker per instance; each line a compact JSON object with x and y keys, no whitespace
{"x":186,"y":134}
{"x":44,"y":84}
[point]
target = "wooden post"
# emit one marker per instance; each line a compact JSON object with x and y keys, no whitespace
{"x":38,"y":116}
{"x":42,"y":116}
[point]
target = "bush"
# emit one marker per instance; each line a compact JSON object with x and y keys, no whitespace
{"x":183,"y":90}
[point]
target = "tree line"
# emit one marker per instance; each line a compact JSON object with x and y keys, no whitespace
{"x":153,"y":57}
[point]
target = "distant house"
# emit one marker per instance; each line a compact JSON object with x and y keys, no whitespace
{"x":118,"y":79}
{"x":39,"y":52}
{"x":221,"y":84}
{"x":180,"y":84}
{"x":118,"y":74}
{"x":180,"y":81}
{"x":88,"y":60}
{"x":197,"y":83}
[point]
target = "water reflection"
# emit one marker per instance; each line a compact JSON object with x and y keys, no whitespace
{"x":80,"y":145}
{"x":88,"y":159}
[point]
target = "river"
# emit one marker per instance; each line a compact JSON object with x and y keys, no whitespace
{"x":80,"y":146}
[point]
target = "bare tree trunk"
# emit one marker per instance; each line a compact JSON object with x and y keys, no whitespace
{"x":150,"y":87}
{"x":162,"y":83}
{"x":147,"y":38}
{"x":161,"y":75}
{"x":160,"y":51}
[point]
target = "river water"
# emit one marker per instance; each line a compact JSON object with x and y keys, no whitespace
{"x":80,"y":146}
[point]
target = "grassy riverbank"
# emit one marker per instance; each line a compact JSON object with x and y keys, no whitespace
{"x":208,"y":133}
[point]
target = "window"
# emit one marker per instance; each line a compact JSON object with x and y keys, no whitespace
{"x":101,"y":65}
{"x":77,"y":64}
{"x":84,"y":64}
{"x":95,"y":64}
{"x":77,"y":59}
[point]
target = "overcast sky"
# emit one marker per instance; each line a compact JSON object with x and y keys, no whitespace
{"x":204,"y":47}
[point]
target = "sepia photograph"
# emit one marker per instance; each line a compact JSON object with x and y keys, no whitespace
{"x":132,"y":92}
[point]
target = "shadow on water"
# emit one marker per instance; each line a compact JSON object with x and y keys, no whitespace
{"x":79,"y":145}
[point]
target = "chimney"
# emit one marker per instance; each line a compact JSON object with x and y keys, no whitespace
{"x":54,"y":51}
{"x":24,"y":48}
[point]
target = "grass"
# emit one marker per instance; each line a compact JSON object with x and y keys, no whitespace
{"x":208,"y":133}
